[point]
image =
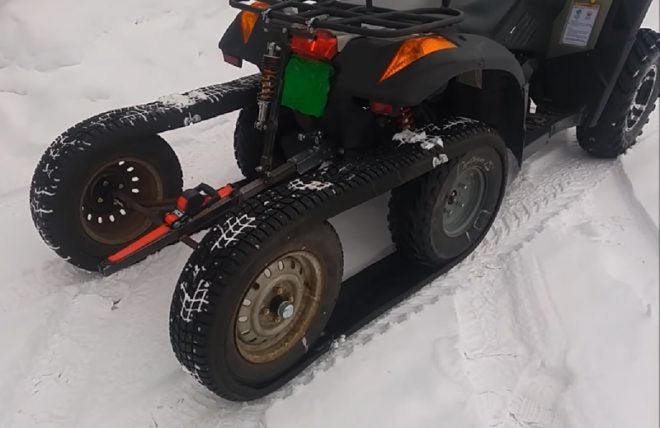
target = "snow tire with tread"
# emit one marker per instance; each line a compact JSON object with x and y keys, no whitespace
{"x":63,"y":177}
{"x":422,"y":227}
{"x":617,"y":131}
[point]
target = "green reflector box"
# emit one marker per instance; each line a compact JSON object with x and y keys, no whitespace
{"x":306,"y":86}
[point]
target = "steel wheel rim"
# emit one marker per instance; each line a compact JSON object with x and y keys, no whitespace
{"x":641,"y":99}
{"x":278,"y":307}
{"x":105,"y":218}
{"x":463,"y":201}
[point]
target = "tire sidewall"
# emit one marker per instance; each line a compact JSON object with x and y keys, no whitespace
{"x":248,"y":140}
{"x":66,"y":219}
{"x":493,"y":166}
{"x":225,"y":361}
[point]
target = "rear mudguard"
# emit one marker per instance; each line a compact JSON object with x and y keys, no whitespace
{"x":364,"y":60}
{"x":232,"y":42}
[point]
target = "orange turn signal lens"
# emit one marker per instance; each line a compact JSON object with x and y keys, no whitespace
{"x":249,"y":19}
{"x":413,"y":49}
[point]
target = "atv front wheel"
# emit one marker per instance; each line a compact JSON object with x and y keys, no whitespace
{"x":80,"y":191}
{"x":631,"y":103}
{"x":251,"y":302}
{"x":446,"y":213}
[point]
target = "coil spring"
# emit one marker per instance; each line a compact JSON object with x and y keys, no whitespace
{"x":406,"y":118}
{"x":270,"y":66}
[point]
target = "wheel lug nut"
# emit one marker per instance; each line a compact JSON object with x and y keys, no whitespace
{"x":121,"y":186}
{"x":462,"y":205}
{"x":285,"y":311}
{"x":99,"y":200}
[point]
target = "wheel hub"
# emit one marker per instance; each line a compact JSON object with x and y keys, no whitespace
{"x":278,"y":308}
{"x":104,"y":217}
{"x":464,"y":201}
{"x":641,"y":99}
{"x":285,"y":310}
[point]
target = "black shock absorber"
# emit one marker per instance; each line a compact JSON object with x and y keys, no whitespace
{"x":268,"y":101}
{"x":270,"y":68}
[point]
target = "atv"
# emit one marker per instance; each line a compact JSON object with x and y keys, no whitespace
{"x":438,"y":104}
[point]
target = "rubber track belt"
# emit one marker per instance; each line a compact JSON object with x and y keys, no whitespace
{"x":168,"y":113}
{"x":315,"y":197}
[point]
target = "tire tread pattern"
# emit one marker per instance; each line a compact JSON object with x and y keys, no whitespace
{"x":608,"y":139}
{"x":409,"y":214}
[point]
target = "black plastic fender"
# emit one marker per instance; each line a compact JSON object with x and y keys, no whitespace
{"x":232,"y":42}
{"x":364,"y":60}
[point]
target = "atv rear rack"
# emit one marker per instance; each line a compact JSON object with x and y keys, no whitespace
{"x":363,"y":20}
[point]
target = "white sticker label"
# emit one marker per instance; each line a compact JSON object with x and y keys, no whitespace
{"x":580,"y":25}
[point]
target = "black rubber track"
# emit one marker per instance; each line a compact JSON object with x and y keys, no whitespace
{"x":131,"y":123}
{"x":312,"y":198}
{"x":609,"y":138}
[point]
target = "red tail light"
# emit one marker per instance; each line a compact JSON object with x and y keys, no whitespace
{"x":322,"y":47}
{"x":382,"y":108}
{"x":235,"y":61}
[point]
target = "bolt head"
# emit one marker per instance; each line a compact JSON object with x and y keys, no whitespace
{"x":285,"y":311}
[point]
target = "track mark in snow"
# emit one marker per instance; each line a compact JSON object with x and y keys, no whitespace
{"x":513,"y":345}
{"x":532,"y":403}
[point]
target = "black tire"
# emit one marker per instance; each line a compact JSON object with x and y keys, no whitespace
{"x":205,"y":337}
{"x":68,"y":175}
{"x":248,"y":140}
{"x":423,"y":225}
{"x":639,"y":84}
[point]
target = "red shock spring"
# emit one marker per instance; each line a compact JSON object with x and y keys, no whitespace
{"x":269,"y":69}
{"x":270,"y":66}
{"x":406,"y":118}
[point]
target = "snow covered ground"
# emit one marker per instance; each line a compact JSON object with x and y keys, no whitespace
{"x":552,"y":323}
